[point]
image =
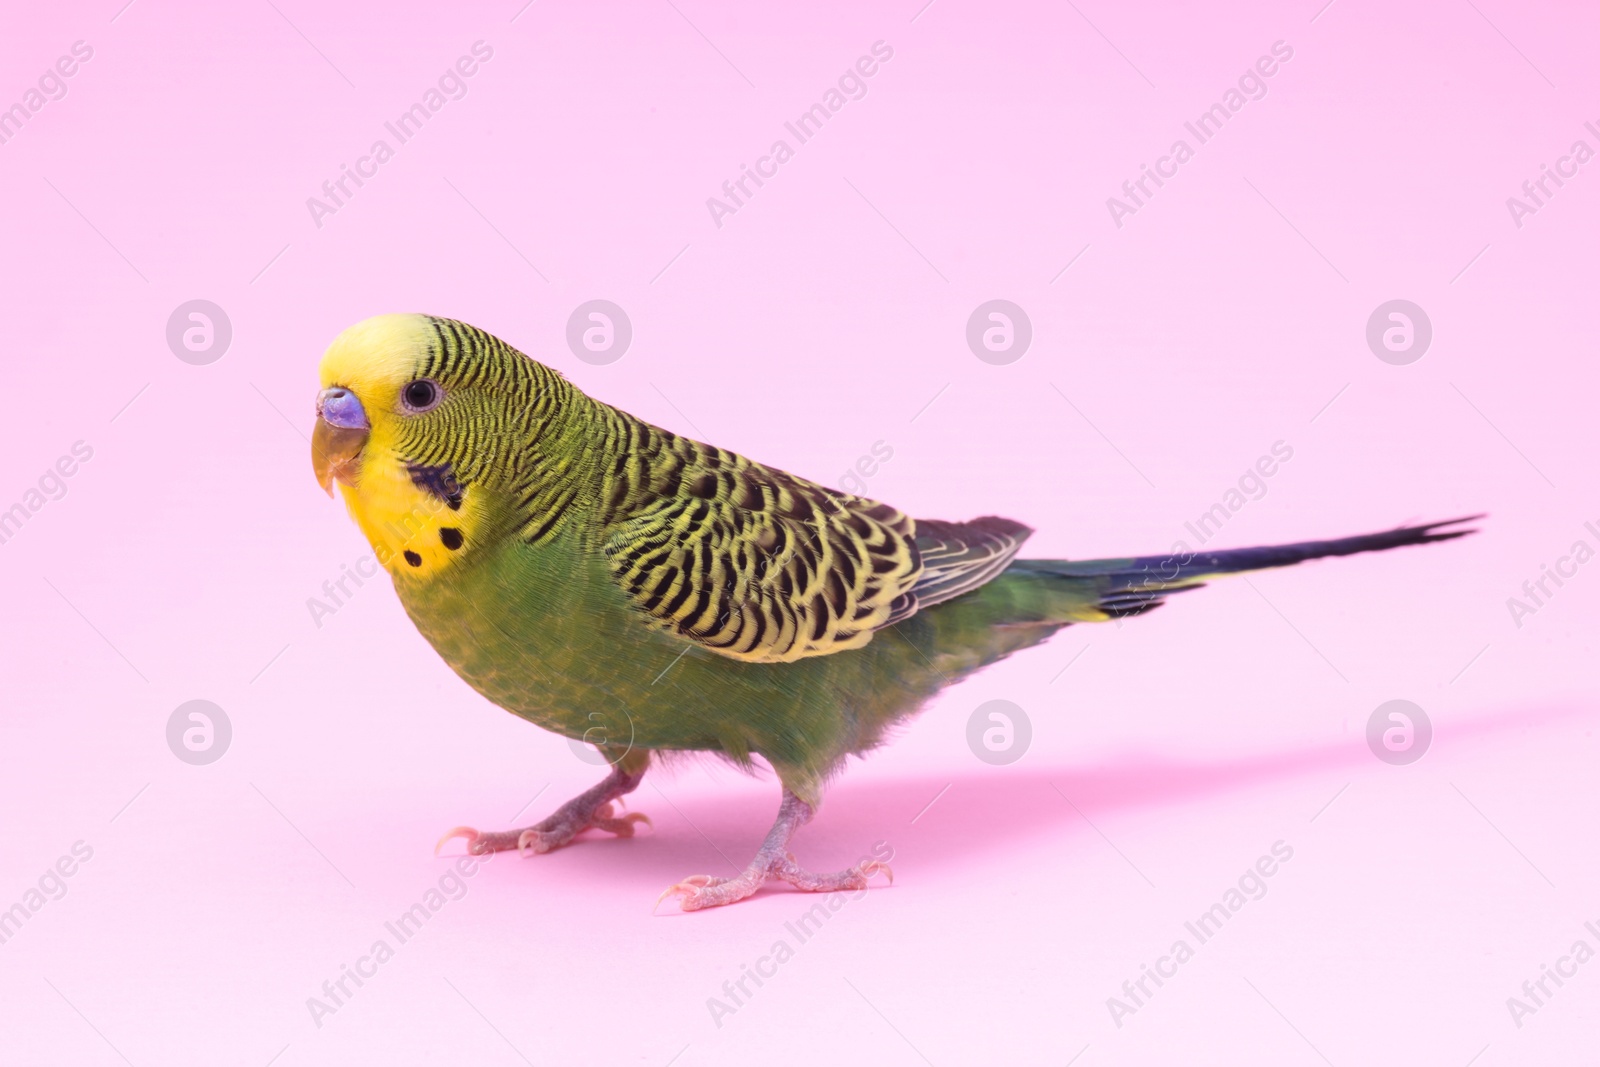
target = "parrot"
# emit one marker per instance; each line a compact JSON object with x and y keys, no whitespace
{"x":655,"y":596}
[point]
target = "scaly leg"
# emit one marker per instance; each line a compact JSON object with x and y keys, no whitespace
{"x":590,"y":809}
{"x":773,"y":861}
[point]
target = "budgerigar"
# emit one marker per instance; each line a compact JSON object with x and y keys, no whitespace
{"x":611,"y":581}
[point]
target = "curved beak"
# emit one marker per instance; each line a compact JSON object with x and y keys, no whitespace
{"x":340,"y":434}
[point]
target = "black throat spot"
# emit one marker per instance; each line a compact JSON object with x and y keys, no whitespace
{"x":438,"y":481}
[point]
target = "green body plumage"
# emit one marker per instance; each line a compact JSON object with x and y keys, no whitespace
{"x":562,"y":649}
{"x":611,"y":581}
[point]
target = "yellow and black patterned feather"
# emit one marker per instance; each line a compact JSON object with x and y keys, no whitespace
{"x":749,"y":561}
{"x":958,"y":557}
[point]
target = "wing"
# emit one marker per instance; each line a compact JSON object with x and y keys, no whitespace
{"x":957,"y":557}
{"x":755,"y":564}
{"x":750,"y":562}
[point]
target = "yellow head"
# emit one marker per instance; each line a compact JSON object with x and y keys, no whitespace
{"x":417,"y":420}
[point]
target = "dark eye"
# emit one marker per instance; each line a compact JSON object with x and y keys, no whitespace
{"x":421,"y":395}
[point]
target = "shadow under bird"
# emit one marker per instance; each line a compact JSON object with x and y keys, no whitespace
{"x":611,"y":581}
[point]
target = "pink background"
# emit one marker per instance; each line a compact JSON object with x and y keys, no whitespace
{"x":1177,"y":748}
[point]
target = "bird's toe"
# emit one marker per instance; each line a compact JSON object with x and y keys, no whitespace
{"x":532,"y":842}
{"x":623,"y":825}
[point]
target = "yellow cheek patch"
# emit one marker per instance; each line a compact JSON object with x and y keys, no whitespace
{"x":412,"y":531}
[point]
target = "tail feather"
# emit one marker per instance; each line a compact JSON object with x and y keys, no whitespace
{"x":1131,"y":586}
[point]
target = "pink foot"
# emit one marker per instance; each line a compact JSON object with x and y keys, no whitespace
{"x":701,"y":891}
{"x":553,"y":832}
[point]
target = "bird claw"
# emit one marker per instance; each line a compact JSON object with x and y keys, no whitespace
{"x":687,"y":890}
{"x":531,"y":842}
{"x":466,"y":832}
{"x":872,"y":867}
{"x":623,"y":825}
